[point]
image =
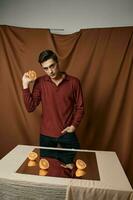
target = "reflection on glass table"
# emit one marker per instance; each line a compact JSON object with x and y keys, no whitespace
{"x":61,"y":163}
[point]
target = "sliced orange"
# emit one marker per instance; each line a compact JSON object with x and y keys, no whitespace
{"x":80,"y":164}
{"x":31,"y":163}
{"x":43,"y":164}
{"x":32,"y":155}
{"x":32,"y":74}
{"x":43,"y":172}
{"x":80,"y":172}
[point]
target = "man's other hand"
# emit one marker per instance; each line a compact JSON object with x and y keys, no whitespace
{"x":69,"y":129}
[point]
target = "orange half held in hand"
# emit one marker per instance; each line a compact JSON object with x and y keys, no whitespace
{"x":32,"y":155}
{"x":80,"y":164}
{"x":43,"y":164}
{"x":32,"y":75}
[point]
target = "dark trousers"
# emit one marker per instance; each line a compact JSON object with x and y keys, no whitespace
{"x":67,"y":140}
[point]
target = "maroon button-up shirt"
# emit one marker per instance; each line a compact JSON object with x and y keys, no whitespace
{"x":62,"y":105}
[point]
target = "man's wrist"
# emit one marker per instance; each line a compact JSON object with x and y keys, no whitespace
{"x":25,"y":85}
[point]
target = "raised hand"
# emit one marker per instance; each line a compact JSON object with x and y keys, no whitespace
{"x":27,"y":78}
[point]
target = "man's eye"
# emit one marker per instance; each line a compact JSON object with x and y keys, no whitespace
{"x":52,"y":66}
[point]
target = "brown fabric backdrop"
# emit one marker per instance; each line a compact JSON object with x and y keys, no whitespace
{"x":101,"y":58}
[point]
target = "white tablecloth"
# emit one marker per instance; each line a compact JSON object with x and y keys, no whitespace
{"x":113,"y":183}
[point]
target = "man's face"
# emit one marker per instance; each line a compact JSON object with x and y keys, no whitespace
{"x":51,"y":68}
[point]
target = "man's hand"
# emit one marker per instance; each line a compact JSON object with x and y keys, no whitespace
{"x":26,"y":80}
{"x":69,"y":129}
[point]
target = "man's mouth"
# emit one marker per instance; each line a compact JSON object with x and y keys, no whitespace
{"x":52,"y":74}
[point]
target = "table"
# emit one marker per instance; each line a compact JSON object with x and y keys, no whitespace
{"x":112,"y":184}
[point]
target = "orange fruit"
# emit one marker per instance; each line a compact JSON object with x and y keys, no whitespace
{"x":32,"y":74}
{"x":80,"y":164}
{"x":32,"y":155}
{"x":43,"y":172}
{"x":43,"y":164}
{"x":31,"y":163}
{"x":80,"y":172}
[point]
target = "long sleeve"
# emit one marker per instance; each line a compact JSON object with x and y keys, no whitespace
{"x":79,"y":104}
{"x":33,"y":99}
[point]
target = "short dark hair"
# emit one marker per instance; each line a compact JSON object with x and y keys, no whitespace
{"x":46,"y":55}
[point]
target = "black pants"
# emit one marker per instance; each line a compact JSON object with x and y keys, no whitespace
{"x":67,"y":140}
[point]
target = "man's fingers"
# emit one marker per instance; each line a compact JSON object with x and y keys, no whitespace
{"x":27,"y":75}
{"x":64,"y":130}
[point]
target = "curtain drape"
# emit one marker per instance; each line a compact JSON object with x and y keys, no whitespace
{"x":102,"y":58}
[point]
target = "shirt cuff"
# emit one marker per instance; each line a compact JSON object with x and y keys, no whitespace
{"x":27,"y":90}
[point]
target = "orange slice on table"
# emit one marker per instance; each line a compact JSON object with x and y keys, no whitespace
{"x":80,"y":164}
{"x":32,"y":155}
{"x":43,"y":164}
{"x":31,"y":163}
{"x":80,"y":172}
{"x":43,"y":172}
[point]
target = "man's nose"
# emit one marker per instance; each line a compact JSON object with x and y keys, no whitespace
{"x":49,"y":71}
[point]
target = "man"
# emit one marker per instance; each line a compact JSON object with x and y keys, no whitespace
{"x":62,"y":102}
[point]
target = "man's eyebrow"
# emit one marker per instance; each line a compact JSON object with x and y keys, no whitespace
{"x":45,"y":67}
{"x":48,"y":66}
